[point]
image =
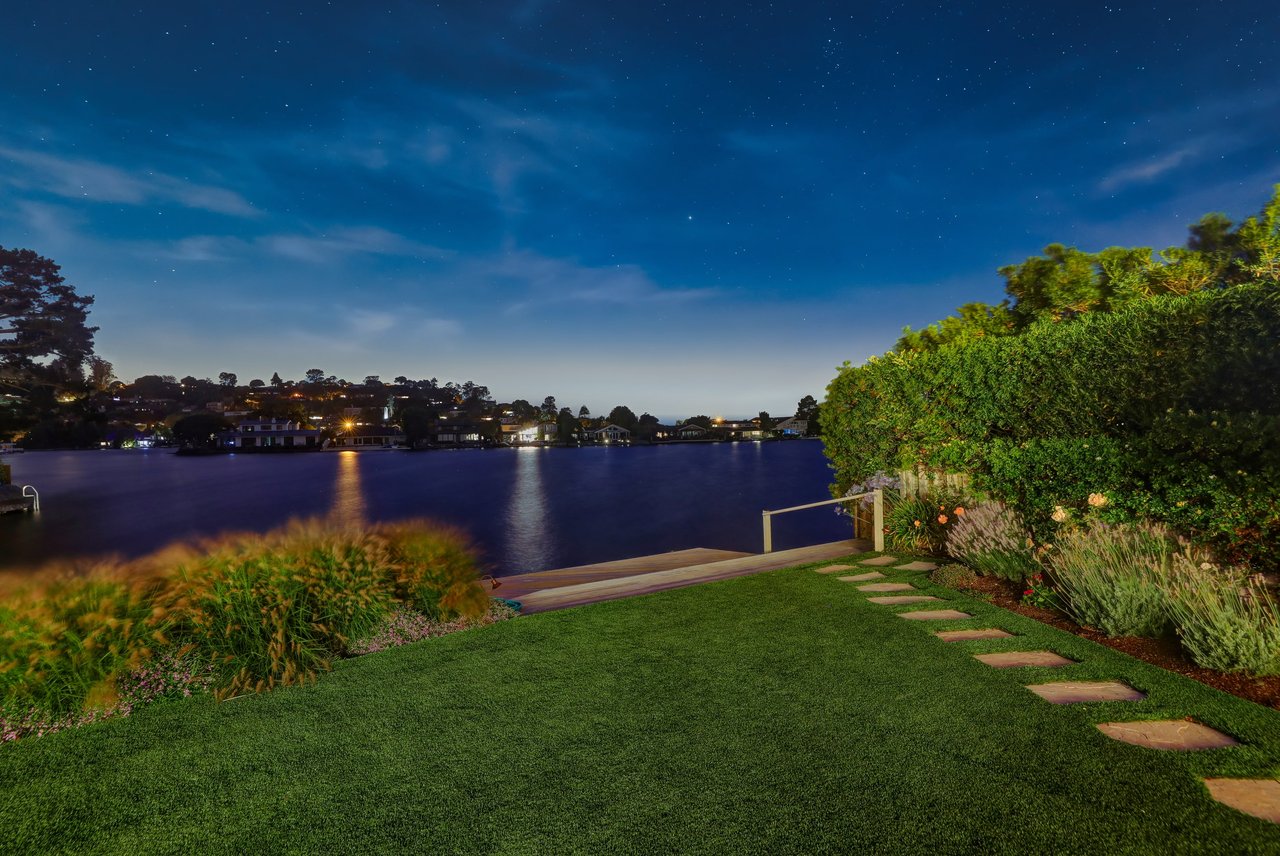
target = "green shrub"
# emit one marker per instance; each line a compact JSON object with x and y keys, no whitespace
{"x":1225,"y":623}
{"x":992,"y":539}
{"x":919,"y":524}
{"x":1124,"y":403}
{"x":1114,"y":577}
{"x":953,"y":576}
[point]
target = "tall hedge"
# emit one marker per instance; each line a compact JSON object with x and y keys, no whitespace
{"x":1171,"y":407}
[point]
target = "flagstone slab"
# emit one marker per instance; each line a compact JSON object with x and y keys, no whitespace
{"x":970,"y":635}
{"x":887,"y":587}
{"x":1013,"y":659}
{"x":1180,"y":735}
{"x":933,"y":614}
{"x":1075,"y":692}
{"x":1258,"y":797}
{"x":916,"y":566}
{"x":895,"y":600}
{"x":835,"y":569}
{"x":862,"y":578}
{"x":880,"y":561}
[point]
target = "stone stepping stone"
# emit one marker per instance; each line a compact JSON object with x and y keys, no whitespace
{"x":835,"y":569}
{"x":1181,"y":735}
{"x":1074,"y":692}
{"x":1258,"y":797}
{"x":896,"y":600}
{"x":1011,"y":659}
{"x":862,"y":578}
{"x":887,"y":587}
{"x":880,"y":561}
{"x":916,"y":566}
{"x":970,"y":635}
{"x":933,"y":614}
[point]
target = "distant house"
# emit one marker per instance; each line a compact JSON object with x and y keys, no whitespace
{"x":792,"y":426}
{"x":610,"y":434}
{"x":370,"y":437}
{"x":541,"y":432}
{"x":272,"y":434}
{"x":459,"y":435}
{"x":690,"y":431}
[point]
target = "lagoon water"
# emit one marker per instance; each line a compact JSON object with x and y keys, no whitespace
{"x":526,"y":509}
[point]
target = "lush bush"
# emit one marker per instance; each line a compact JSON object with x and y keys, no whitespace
{"x":64,"y":647}
{"x":258,"y":610}
{"x":953,"y":576}
{"x":919,"y":524}
{"x":1114,"y":577}
{"x":1225,"y":622}
{"x":1122,"y":403}
{"x":992,"y":539}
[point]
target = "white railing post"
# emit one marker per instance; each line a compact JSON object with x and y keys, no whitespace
{"x":768,"y":531}
{"x":877,"y":520}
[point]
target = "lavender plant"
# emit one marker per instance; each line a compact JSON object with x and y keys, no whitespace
{"x":1114,"y":577}
{"x":992,"y":539}
{"x":1225,"y":622}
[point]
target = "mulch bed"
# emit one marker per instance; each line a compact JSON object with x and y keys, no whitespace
{"x":1165,"y":653}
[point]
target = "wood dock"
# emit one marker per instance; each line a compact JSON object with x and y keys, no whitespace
{"x":565,"y":587}
{"x":11,"y":499}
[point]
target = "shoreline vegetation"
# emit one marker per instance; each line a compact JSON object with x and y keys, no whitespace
{"x":82,"y":641}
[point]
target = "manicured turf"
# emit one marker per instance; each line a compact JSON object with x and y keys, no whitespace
{"x":773,"y":713}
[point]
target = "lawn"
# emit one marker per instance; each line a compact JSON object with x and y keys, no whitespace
{"x":774,"y":713}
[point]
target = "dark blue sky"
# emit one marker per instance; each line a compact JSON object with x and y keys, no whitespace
{"x":684,"y":207}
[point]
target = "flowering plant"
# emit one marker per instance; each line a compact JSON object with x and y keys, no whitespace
{"x":1041,"y":594}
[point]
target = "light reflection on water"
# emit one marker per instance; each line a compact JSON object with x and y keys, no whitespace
{"x":348,"y":494}
{"x":529,"y":544}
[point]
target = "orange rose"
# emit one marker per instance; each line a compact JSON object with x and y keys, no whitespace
{"x":942,"y":518}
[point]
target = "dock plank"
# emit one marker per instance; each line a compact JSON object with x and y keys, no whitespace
{"x":516,"y":585}
{"x":612,"y":588}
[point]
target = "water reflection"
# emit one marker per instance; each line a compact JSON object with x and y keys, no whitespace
{"x":529,"y":542}
{"x":348,"y":493}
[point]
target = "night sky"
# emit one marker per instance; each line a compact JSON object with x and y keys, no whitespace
{"x":684,"y":207}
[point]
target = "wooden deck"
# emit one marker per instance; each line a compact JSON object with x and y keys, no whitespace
{"x":518,"y":585}
{"x":611,"y":580}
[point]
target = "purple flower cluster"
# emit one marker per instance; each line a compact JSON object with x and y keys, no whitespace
{"x":167,"y":675}
{"x":405,"y":625}
{"x":879,"y":481}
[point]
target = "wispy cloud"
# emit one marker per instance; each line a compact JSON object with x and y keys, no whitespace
{"x":335,"y":244}
{"x":80,"y":178}
{"x":1147,"y":170}
{"x":546,"y":280}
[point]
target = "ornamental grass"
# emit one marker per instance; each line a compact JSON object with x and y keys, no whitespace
{"x":253,"y":611}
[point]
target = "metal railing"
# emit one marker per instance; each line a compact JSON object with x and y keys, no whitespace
{"x":35,"y":494}
{"x":877,"y":516}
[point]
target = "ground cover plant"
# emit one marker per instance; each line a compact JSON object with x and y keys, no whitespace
{"x":1225,"y":622}
{"x":992,"y":539}
{"x":244,"y":613}
{"x":760,"y":714}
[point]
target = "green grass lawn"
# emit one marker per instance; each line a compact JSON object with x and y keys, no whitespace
{"x":772,"y":713}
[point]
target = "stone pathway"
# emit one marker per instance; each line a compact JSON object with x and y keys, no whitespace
{"x":970,"y":635}
{"x":1257,"y":797}
{"x":1181,"y":735}
{"x":934,"y":615}
{"x":876,"y":587}
{"x":1075,"y":692}
{"x":1013,"y":659}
